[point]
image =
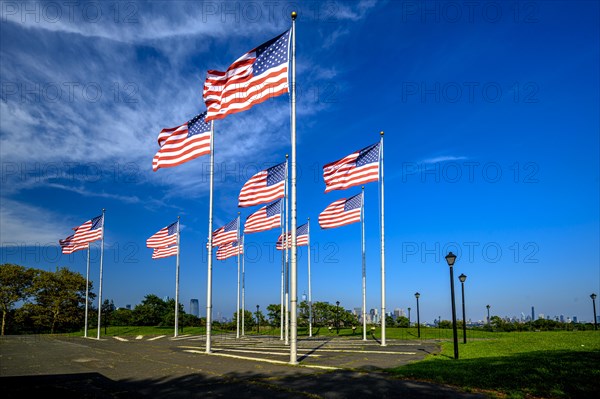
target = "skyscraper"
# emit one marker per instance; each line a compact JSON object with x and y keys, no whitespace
{"x":194,"y":307}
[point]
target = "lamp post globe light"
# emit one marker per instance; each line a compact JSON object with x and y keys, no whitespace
{"x":593,"y":296}
{"x":488,"y":310}
{"x":417,"y":295}
{"x":450,"y":259}
{"x":337,"y":317}
{"x":462,"y":279}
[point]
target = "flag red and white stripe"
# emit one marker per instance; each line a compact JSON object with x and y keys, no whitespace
{"x":69,"y":246}
{"x":228,"y":250}
{"x":256,"y":76}
{"x":89,"y":231}
{"x":266,"y":218}
{"x":164,"y":252}
{"x":226,"y":234}
{"x":360,"y":167}
{"x":341,"y":212}
{"x":164,"y":237}
{"x":182,"y":143}
{"x":301,"y":238}
{"x":265,"y":186}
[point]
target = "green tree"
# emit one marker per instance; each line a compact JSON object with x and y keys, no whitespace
{"x":15,"y":286}
{"x":151,"y":312}
{"x":169,"y":316}
{"x":402,"y":322}
{"x":108,"y":308}
{"x":122,"y":317}
{"x":59,"y":300}
{"x":274,"y":314}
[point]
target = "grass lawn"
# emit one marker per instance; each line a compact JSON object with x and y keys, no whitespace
{"x":561,"y":364}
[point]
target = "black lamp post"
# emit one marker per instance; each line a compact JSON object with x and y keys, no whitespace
{"x":257,"y":320}
{"x":450,"y":258}
{"x":337,"y":317}
{"x":417,"y":295}
{"x":593,"y":296}
{"x":488,"y":309}
{"x":409,"y":317}
{"x":462,"y":279}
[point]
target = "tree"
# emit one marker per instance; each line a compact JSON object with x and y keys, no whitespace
{"x":169,"y":317}
{"x":274,"y":314}
{"x":108,"y":309}
{"x":249,"y":320}
{"x":151,"y":312}
{"x":59,"y":300}
{"x":15,"y":285}
{"x":402,"y":322}
{"x":122,"y":317}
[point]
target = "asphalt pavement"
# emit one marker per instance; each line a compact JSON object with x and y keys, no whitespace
{"x":245,"y":367}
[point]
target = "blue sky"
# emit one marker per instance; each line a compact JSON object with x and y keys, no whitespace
{"x":490,"y":113}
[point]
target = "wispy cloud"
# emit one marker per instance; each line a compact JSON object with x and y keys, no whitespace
{"x":23,"y":224}
{"x":443,"y":158}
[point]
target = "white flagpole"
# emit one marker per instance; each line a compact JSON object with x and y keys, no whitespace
{"x":177,"y":282}
{"x":243,"y":287}
{"x":364,"y":266}
{"x":237,"y":334}
{"x":210,"y":225}
{"x":87,"y":284}
{"x":281,"y":310}
{"x":382,"y":251}
{"x":309,"y":290}
{"x":285,"y":248}
{"x":293,"y":282}
{"x":100,"y":285}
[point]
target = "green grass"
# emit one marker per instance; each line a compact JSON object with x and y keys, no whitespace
{"x":517,"y":365}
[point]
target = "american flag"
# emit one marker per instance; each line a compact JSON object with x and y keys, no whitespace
{"x":69,"y":246}
{"x":341,"y":212}
{"x":164,"y":237}
{"x":228,"y":250}
{"x":360,"y":167}
{"x":265,"y":186}
{"x":256,"y":76}
{"x":182,"y":143}
{"x":266,"y":218}
{"x":301,"y":237}
{"x":226,"y":234}
{"x":89,"y":231}
{"x":164,"y":252}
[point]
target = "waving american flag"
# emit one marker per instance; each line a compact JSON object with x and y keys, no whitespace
{"x":256,"y":76}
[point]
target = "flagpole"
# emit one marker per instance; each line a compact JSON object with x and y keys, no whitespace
{"x":293,"y":299}
{"x":100,"y":285}
{"x":284,"y":243}
{"x":281,"y":309}
{"x":237,"y":334}
{"x":364,"y":266}
{"x":243,"y":287}
{"x":309,"y":290}
{"x":87,"y":284}
{"x":210,"y":224}
{"x":177,"y":283}
{"x":382,"y":252}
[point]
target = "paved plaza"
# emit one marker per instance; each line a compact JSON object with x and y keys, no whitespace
{"x":248,"y":367}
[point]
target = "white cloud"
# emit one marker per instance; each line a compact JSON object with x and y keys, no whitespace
{"x":23,"y":224}
{"x":443,"y":158}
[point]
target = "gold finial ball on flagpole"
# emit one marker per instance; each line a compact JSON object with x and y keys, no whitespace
{"x":381,"y":133}
{"x":294,"y":14}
